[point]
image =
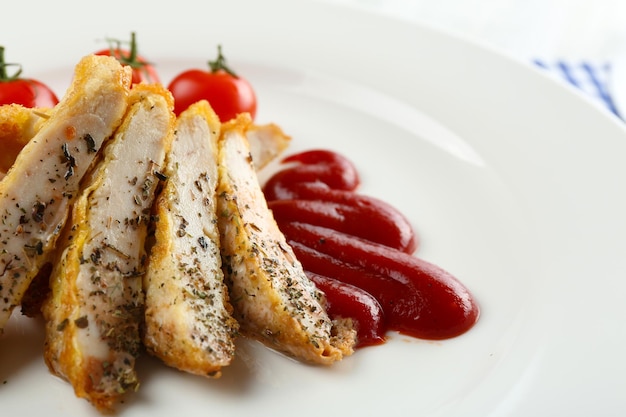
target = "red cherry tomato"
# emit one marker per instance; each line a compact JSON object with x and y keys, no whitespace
{"x":143,"y":71}
{"x":24,"y":91}
{"x":227,"y":93}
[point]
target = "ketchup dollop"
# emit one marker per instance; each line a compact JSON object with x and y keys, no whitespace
{"x":359,"y":251}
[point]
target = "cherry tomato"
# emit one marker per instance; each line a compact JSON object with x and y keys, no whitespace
{"x":143,"y":71}
{"x":228,"y":93}
{"x":24,"y":91}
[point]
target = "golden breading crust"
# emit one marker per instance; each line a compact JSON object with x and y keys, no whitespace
{"x":95,"y":310}
{"x":38,"y":190}
{"x":18,"y":124}
{"x":274,"y":300}
{"x":188,"y":315}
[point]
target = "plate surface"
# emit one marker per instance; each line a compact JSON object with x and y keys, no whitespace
{"x":513,"y":182}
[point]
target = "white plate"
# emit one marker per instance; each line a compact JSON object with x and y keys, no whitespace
{"x":515,"y":184}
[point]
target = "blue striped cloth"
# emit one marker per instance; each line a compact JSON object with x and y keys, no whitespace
{"x":591,"y":78}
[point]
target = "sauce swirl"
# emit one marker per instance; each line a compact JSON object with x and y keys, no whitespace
{"x":350,"y":244}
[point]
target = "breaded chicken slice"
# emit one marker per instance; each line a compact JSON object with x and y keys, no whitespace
{"x":37,"y":192}
{"x":274,"y":301}
{"x":266,"y":142}
{"x":188,"y":316}
{"x":18,"y":125}
{"x":96,"y":306}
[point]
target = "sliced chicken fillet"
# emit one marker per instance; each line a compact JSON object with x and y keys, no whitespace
{"x":273,"y":299}
{"x":94,"y":313}
{"x":38,"y":190}
{"x":188,"y":317}
{"x":18,"y":124}
{"x":266,"y":142}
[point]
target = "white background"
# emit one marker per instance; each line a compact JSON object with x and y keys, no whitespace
{"x":572,"y":31}
{"x":528,"y":29}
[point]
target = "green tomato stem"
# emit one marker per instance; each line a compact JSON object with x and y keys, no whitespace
{"x":133,"y":47}
{"x":115,"y":48}
{"x":4,"y":77}
{"x":220,"y":63}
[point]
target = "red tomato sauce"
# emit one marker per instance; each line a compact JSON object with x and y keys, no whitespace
{"x":360,"y":250}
